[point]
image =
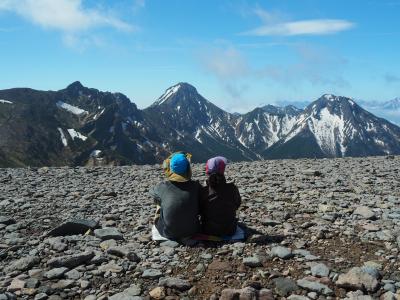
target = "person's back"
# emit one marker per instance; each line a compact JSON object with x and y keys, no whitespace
{"x":178,"y":198}
{"x":220,"y":200}
{"x":179,"y":202}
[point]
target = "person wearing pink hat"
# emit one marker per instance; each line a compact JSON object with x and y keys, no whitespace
{"x":220,"y":200}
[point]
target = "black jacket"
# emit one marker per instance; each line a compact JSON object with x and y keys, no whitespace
{"x":179,"y":201}
{"x":218,"y":209}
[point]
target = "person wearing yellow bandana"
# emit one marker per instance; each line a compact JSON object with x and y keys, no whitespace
{"x":177,"y":199}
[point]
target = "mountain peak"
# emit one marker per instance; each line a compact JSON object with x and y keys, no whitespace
{"x":76,"y":85}
{"x":181,"y":87}
{"x":278,"y":110}
{"x":329,"y":97}
{"x":333,"y":100}
{"x":392,"y":104}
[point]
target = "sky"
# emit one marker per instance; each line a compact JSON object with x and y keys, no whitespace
{"x":238,"y":54}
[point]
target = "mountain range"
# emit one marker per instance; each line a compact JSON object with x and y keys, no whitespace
{"x":84,"y":126}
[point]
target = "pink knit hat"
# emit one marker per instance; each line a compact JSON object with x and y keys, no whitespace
{"x":216,"y":165}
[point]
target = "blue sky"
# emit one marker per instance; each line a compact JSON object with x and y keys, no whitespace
{"x":238,"y":54}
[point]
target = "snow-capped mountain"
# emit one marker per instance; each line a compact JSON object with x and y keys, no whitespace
{"x":263,"y":127}
{"x":84,"y":126}
{"x":73,"y":126}
{"x":389,"y":110}
{"x":335,"y":126}
{"x":290,"y":110}
{"x":190,"y":122}
{"x":393,"y":104}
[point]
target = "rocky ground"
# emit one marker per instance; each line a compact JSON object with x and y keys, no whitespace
{"x":319,"y":229}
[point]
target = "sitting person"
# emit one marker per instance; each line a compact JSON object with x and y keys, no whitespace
{"x":220,"y":200}
{"x":178,"y":199}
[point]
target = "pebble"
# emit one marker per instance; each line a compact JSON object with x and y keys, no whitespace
{"x":281,"y":252}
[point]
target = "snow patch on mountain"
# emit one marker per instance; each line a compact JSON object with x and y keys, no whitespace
{"x":63,"y":138}
{"x":197,"y":135}
{"x":2,"y":101}
{"x":75,"y":134}
{"x":72,"y":109}
{"x":95,"y":153}
{"x":328,"y":129}
{"x":168,"y":93}
{"x":96,"y":116}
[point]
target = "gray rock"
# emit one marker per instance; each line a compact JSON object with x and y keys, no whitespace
{"x":22,"y":264}
{"x":123,"y":252}
{"x":124,"y":296}
{"x":390,"y":287}
{"x":171,"y":244}
{"x":133,"y":290}
{"x":252,"y":261}
{"x":108,"y":233}
{"x":389,"y":296}
{"x":41,"y":296}
{"x":374,"y":272}
{"x":3,"y":297}
{"x":358,"y":279}
{"x":297,"y":297}
{"x":56,"y":273}
{"x":248,"y":293}
{"x":357,"y":295}
{"x":72,"y":227}
{"x":365,"y":212}
{"x":269,"y":222}
{"x":314,"y":286}
{"x":284,"y":286}
{"x":71,"y":261}
{"x":229,"y":294}
{"x":73,"y":274}
{"x":7,"y":220}
{"x":175,"y":283}
{"x":63,"y":284}
{"x":281,"y":252}
{"x":32,"y":283}
{"x":152,"y":273}
{"x":265,"y":294}
{"x":320,"y":270}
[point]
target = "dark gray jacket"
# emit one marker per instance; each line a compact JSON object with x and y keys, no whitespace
{"x":179,"y":201}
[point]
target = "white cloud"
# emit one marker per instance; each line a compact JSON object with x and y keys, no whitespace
{"x":275,"y":25}
{"x":229,"y":66}
{"x":225,"y":63}
{"x":315,"y":66}
{"x":68,"y":16}
{"x":307,"y":27}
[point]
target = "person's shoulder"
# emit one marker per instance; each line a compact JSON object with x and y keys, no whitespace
{"x":231,"y":184}
{"x":161,"y":184}
{"x":194,"y":182}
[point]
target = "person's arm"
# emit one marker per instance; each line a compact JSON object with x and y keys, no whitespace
{"x":201,"y":197}
{"x":236,"y":197}
{"x":155,"y":193}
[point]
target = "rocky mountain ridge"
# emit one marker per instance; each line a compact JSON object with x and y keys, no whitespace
{"x":84,"y":126}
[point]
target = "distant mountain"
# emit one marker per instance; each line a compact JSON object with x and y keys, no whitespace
{"x":389,"y":110}
{"x":187,"y":121}
{"x":73,"y":126}
{"x":264,"y":126}
{"x":84,"y":126}
{"x":336,"y":126}
{"x":290,"y":110}
{"x":393,"y":104}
